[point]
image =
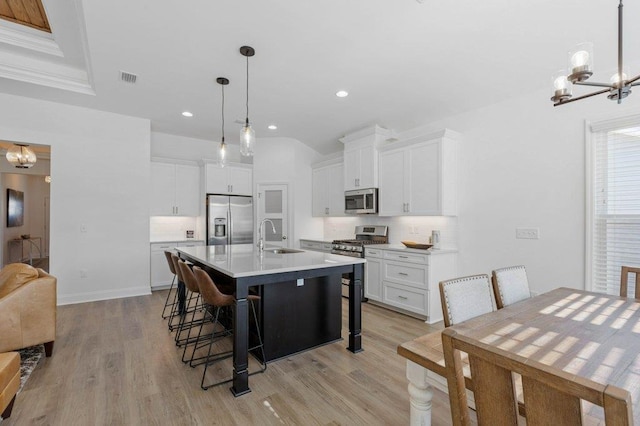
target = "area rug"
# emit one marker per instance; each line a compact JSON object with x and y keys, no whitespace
{"x":29,"y":360}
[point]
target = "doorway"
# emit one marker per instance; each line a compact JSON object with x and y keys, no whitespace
{"x":25,"y":238}
{"x":273,"y":204}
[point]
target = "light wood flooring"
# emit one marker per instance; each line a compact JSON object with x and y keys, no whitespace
{"x":115,"y":363}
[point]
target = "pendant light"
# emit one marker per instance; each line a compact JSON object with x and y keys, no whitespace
{"x":222,"y":151}
{"x":247,"y":135}
{"x":21,"y":156}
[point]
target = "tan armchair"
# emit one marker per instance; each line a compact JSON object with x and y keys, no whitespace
{"x":27,"y":307}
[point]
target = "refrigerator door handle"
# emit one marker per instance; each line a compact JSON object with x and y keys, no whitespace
{"x":230,"y":222}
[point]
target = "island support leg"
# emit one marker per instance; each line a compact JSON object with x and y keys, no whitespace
{"x":355,"y":309}
{"x":420,"y":395}
{"x":241,"y":343}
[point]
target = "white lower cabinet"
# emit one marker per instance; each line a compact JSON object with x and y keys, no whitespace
{"x":407,"y":281}
{"x":372,"y":277}
{"x":161,"y":276}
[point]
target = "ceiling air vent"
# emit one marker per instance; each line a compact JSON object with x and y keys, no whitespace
{"x":128,"y":77}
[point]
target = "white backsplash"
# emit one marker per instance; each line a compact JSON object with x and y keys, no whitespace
{"x":403,"y":228}
{"x":169,"y":228}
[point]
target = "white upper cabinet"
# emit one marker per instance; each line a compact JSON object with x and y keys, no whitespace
{"x":175,"y":189}
{"x":361,"y":157}
{"x":328,"y":191}
{"x":419,"y":176}
{"x":231,"y":179}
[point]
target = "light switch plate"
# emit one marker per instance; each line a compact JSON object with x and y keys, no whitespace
{"x":528,"y":233}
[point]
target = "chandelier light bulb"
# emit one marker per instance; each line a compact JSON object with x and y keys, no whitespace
{"x":615,"y":79}
{"x":580,"y":58}
{"x":560,"y":83}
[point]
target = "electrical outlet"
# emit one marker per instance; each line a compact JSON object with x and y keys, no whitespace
{"x":83,"y":228}
{"x":528,"y":233}
{"x":83,"y":273}
{"x":300,"y":282}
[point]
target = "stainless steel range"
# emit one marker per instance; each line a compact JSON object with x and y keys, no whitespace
{"x":365,"y":235}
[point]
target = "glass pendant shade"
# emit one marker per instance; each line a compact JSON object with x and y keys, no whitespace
{"x":247,"y":140}
{"x":222,"y":154}
{"x":581,"y":62}
{"x":21,"y":156}
{"x":561,"y":87}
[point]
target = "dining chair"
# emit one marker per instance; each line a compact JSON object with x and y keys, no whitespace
{"x":465,"y":298}
{"x":215,"y":301}
{"x":510,"y":285}
{"x":551,"y":396}
{"x":172,"y":289}
{"x":624,"y":280}
{"x":193,"y":305}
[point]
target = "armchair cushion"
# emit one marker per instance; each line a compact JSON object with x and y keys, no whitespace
{"x":15,"y":275}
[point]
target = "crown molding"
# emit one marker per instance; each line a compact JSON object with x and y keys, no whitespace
{"x":27,"y":38}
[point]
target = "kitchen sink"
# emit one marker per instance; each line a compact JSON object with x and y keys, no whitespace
{"x":284,"y":251}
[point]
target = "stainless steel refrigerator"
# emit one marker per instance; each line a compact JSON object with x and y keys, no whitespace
{"x":229,"y":219}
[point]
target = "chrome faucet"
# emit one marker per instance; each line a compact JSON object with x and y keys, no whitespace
{"x":260,"y":239}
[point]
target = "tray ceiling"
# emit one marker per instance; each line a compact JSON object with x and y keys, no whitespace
{"x":25,"y":12}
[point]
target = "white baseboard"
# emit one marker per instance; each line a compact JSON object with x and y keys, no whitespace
{"x":71,"y":299}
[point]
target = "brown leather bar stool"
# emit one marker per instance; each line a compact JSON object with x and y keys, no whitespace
{"x":215,"y":301}
{"x":192,"y":304}
{"x":174,"y":301}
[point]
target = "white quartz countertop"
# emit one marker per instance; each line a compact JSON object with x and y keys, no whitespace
{"x":401,"y":247}
{"x":244,"y":260}
{"x":315,"y":240}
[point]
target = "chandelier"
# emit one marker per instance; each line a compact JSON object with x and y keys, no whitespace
{"x":581,"y":68}
{"x":21,"y":156}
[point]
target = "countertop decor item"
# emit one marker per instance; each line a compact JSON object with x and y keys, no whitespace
{"x":247,"y":134}
{"x":581,"y":68}
{"x":222,"y":151}
{"x":414,"y":245}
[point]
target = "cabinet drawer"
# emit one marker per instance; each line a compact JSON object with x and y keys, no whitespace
{"x":163,"y":246}
{"x":407,"y":257}
{"x":413,"y":275}
{"x":404,"y":297}
{"x":372,"y":252}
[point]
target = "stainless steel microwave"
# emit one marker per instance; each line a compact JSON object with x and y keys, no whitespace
{"x":361,"y":201}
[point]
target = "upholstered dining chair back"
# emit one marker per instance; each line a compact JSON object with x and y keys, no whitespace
{"x":209,"y":290}
{"x":551,"y":395}
{"x":624,"y":281}
{"x":172,"y":266}
{"x":465,"y":298}
{"x":510,"y":285}
{"x":186,"y":275}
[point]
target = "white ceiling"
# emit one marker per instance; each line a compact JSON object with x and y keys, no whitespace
{"x":404,"y":62}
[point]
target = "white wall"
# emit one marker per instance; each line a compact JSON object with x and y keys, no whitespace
{"x":100,"y":179}
{"x":522,"y":164}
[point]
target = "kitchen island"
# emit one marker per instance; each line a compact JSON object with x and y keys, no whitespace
{"x":243,"y":266}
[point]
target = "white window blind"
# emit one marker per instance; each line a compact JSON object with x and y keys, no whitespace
{"x":615,"y":202}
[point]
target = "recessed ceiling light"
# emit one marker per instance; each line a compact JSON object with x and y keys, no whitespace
{"x":272,"y":127}
{"x":342,"y":93}
{"x":187,"y":114}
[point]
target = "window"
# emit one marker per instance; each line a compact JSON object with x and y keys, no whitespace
{"x":613,"y":197}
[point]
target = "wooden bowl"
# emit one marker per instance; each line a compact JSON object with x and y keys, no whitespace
{"x":414,"y":245}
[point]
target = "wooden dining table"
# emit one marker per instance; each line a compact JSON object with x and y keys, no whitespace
{"x":589,"y":335}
